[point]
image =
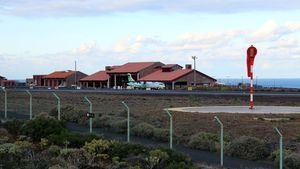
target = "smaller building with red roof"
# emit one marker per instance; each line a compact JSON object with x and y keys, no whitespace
{"x":7,"y":83}
{"x":63,"y":78}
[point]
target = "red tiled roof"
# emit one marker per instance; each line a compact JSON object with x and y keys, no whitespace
{"x":166,"y":76}
{"x":132,"y":67}
{"x":60,"y":74}
{"x":99,"y":76}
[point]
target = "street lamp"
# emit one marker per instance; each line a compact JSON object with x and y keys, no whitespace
{"x":194,"y":58}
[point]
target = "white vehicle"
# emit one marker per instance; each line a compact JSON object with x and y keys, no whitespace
{"x":144,"y":85}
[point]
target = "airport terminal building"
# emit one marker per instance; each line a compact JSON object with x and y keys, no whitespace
{"x":173,"y":75}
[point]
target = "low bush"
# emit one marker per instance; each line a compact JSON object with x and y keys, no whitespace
{"x":42,"y":127}
{"x":204,"y":141}
{"x":121,"y":150}
{"x":4,"y":136}
{"x":13,"y":154}
{"x":117,"y":123}
{"x":78,"y":158}
{"x":54,"y":150}
{"x":14,"y":127}
{"x":161,"y":134}
{"x":97,"y":147}
{"x":157,"y":158}
{"x":249,"y":148}
{"x":75,"y":140}
{"x":291,"y":160}
{"x":70,"y":114}
{"x":143,"y":129}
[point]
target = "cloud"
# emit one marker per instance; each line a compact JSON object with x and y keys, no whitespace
{"x":58,"y":8}
{"x":220,"y":53}
{"x":272,"y":31}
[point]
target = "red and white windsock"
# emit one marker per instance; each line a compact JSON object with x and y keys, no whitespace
{"x":251,"y":53}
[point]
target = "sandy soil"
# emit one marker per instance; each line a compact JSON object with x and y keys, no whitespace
{"x":149,"y":108}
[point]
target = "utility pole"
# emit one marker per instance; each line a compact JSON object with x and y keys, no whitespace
{"x":75,"y":75}
{"x":194,"y":58}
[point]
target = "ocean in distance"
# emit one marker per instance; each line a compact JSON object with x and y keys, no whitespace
{"x":283,"y":83}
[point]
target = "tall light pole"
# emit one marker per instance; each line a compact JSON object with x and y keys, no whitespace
{"x":194,"y":58}
{"x":75,"y":75}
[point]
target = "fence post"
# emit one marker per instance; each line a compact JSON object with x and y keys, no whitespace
{"x":171,"y":128}
{"x":58,"y":105}
{"x":280,"y":147}
{"x":221,"y":139}
{"x":30,"y":104}
{"x":128,"y":121}
{"x":5,"y":103}
{"x":91,"y":112}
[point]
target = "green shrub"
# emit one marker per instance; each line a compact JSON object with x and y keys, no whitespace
{"x":119,"y":126}
{"x":291,"y":160}
{"x":70,"y":114}
{"x":75,"y":140}
{"x":24,"y":145}
{"x":96,"y":147}
{"x":54,"y":150}
{"x":204,"y":141}
{"x":250,"y":148}
{"x":14,"y":152}
{"x":161,"y":134}
{"x":143,"y":129}
{"x":42,"y":127}
{"x":14,"y":127}
{"x":4,"y":136}
{"x":157,"y":157}
{"x":123,"y":150}
{"x":78,"y":158}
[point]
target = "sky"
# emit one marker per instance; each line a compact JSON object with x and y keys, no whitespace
{"x":39,"y":37}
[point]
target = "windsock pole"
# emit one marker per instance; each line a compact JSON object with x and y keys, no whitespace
{"x":251,"y":90}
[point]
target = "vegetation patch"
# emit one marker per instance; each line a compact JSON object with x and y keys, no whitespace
{"x":143,"y":130}
{"x":249,"y":148}
{"x":205,"y":141}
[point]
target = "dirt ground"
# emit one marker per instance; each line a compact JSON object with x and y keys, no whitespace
{"x":149,"y":108}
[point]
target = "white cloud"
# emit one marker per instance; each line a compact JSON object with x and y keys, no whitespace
{"x":42,"y":8}
{"x":220,"y":53}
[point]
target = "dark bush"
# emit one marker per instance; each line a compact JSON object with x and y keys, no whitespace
{"x":42,"y":127}
{"x":143,"y":129}
{"x":161,"y":134}
{"x":250,"y":148}
{"x":75,"y":140}
{"x":204,"y":141}
{"x":70,"y":114}
{"x":122,"y":150}
{"x":291,"y":160}
{"x":14,"y":127}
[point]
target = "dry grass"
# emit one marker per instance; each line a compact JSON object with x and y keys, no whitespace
{"x":149,"y":108}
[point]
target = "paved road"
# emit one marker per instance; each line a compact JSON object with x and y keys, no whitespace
{"x":196,"y":155}
{"x":240,"y":109}
{"x":167,"y":92}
